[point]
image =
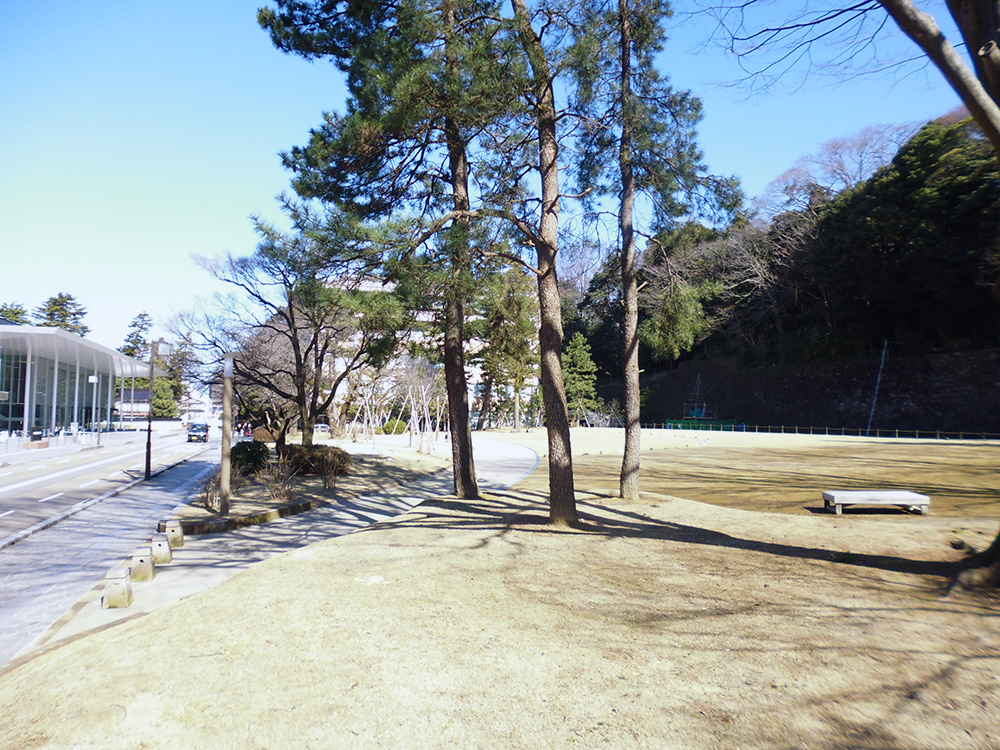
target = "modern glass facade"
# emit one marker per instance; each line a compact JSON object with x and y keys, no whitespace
{"x":54,"y":381}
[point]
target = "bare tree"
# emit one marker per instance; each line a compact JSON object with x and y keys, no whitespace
{"x":297,"y":327}
{"x":840,"y":164}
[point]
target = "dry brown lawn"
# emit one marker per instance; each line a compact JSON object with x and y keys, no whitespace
{"x":749,"y":621}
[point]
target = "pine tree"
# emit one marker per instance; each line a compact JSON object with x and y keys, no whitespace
{"x":640,"y":139}
{"x":14,"y":312}
{"x":135,"y":344}
{"x":580,"y":376}
{"x":62,"y":311}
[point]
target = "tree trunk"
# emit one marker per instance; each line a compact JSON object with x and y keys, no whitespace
{"x":629,"y":481}
{"x":981,"y":570}
{"x":977,"y":21}
{"x":484,"y":407}
{"x":923,"y":29}
{"x":463,"y":465}
{"x":562,"y":500}
{"x":517,"y":409}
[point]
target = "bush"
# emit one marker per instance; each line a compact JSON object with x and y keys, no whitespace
{"x":213,"y":489}
{"x":326,"y":461}
{"x":277,"y":480}
{"x":249,"y":458}
{"x":393,"y":427}
{"x":262,"y":435}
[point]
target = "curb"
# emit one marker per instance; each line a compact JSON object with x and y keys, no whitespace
{"x":215,"y":526}
{"x":20,"y":536}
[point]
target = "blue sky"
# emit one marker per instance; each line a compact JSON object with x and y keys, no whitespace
{"x":134,"y":135}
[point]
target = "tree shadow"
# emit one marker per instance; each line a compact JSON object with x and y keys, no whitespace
{"x":528,"y":511}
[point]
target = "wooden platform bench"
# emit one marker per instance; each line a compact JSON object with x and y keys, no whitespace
{"x":837,"y":499}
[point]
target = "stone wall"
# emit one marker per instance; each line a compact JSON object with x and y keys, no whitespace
{"x":950,"y":392}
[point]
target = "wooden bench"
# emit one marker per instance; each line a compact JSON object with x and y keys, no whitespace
{"x":913,"y":501}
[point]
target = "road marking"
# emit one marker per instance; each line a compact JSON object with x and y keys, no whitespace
{"x":56,"y":475}
{"x":89,"y":484}
{"x":7,"y":513}
{"x":64,"y":460}
{"x":51,"y":497}
{"x":5,"y":473}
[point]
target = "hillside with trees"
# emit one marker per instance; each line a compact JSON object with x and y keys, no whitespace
{"x":907,"y":257}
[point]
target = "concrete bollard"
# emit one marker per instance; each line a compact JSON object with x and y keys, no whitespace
{"x":117,"y":589}
{"x":172,"y":528}
{"x":143,"y":567}
{"x":160,"y":544}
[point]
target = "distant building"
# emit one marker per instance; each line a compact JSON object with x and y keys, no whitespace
{"x":55,"y":381}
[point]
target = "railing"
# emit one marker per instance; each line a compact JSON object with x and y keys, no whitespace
{"x":843,"y":431}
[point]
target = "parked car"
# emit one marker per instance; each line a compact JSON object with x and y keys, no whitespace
{"x":322,"y":428}
{"x":197,"y":432}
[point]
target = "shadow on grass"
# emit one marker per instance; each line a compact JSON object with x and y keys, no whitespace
{"x":528,"y":511}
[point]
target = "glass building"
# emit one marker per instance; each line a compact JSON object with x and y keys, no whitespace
{"x":57,"y":382}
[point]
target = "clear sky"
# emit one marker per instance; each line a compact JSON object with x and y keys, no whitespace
{"x":135,"y":135}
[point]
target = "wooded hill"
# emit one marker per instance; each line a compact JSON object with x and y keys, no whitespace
{"x":907,"y":258}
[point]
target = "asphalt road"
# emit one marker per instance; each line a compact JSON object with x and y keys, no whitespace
{"x":46,"y":573}
{"x":45,"y":485}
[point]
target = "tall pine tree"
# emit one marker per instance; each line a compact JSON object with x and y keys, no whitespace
{"x":639,"y":141}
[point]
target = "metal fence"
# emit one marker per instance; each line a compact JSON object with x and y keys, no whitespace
{"x":844,"y":431}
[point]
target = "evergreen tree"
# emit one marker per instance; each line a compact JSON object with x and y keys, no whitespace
{"x":507,"y":324}
{"x":62,"y":311}
{"x":135,"y":344}
{"x":580,"y":376}
{"x":422,"y":77}
{"x":640,"y":139}
{"x":14,"y":312}
{"x":164,"y":405}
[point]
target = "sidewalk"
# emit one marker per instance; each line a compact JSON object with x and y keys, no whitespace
{"x":205,"y":561}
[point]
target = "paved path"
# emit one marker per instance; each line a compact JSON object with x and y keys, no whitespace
{"x":46,"y":573}
{"x":73,"y":604}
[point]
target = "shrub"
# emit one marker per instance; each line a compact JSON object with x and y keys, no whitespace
{"x":262,"y":435}
{"x":393,"y":427}
{"x":213,"y":491}
{"x":277,"y":480}
{"x":326,"y":461}
{"x":249,"y":458}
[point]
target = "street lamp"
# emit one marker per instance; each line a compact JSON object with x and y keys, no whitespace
{"x":155,"y":348}
{"x":227,"y":431}
{"x":95,"y":383}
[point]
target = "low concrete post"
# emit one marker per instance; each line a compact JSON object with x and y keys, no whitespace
{"x":117,"y":589}
{"x":160,"y":544}
{"x":172,"y":528}
{"x":143,"y":568}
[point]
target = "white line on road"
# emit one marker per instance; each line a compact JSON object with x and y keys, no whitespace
{"x":7,"y":513}
{"x":64,"y":472}
{"x":51,"y":497}
{"x":64,"y":460}
{"x":5,"y":473}
{"x":91,"y":483}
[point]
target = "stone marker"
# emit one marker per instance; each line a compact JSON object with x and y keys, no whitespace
{"x":117,"y":589}
{"x":160,"y":544}
{"x":143,"y":568}
{"x":172,"y":528}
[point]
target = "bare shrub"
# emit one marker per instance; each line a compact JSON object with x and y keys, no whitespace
{"x":276,"y":478}
{"x":213,"y":492}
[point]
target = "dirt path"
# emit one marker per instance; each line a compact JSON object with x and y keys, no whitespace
{"x":664,"y":624}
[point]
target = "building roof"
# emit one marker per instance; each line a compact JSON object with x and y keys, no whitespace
{"x":57,"y":344}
